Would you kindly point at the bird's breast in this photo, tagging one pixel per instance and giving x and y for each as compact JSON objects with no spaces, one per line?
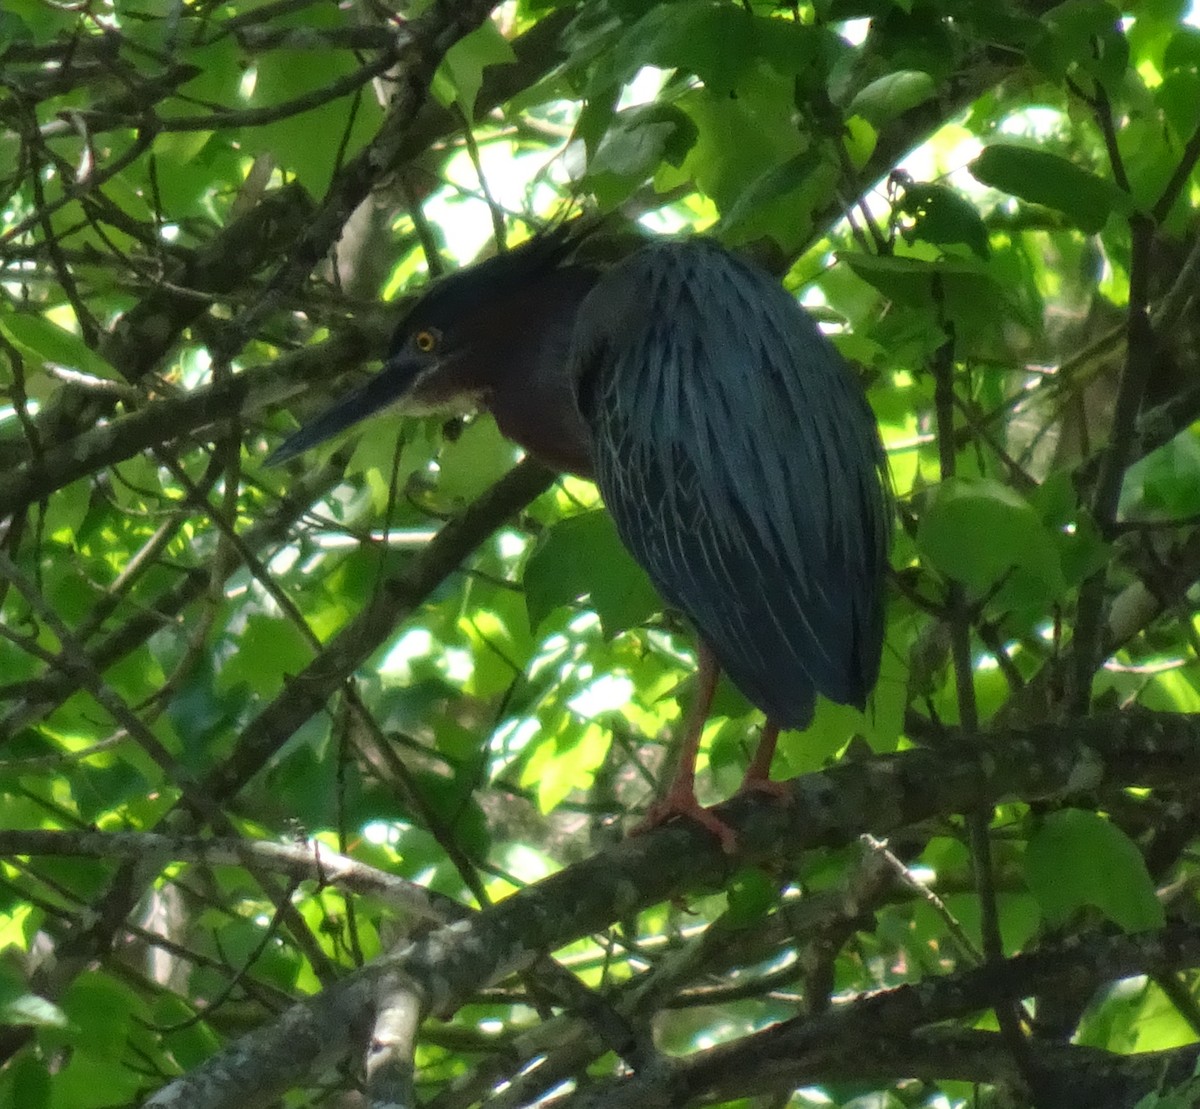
{"x":549,"y":427}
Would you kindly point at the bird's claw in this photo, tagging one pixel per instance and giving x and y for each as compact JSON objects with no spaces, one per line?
{"x":686,"y":806}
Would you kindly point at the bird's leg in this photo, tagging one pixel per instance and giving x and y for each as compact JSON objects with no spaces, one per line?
{"x":680,"y":798}
{"x":759,"y":770}
{"x":683,"y":785}
{"x":758,"y":773}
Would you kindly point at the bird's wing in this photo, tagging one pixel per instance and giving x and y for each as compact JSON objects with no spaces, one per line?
{"x":743,"y":469}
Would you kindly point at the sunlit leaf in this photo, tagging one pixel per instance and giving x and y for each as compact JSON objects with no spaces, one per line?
{"x":296,"y":75}
{"x":45,"y":343}
{"x":565,"y":762}
{"x":464,"y":64}
{"x":475,"y":459}
{"x":268,"y":650}
{"x":887,"y":97}
{"x":19,"y":1006}
{"x":1077,"y":860}
{"x":917,"y":281}
{"x":977,"y":532}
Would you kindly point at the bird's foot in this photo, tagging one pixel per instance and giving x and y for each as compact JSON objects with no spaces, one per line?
{"x":764,"y":787}
{"x":684,"y":804}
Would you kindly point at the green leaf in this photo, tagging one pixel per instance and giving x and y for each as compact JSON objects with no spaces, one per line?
{"x":595,"y":118}
{"x":1050,"y":180}
{"x":452,"y":801}
{"x":1166,"y":483}
{"x":583,"y":556}
{"x":1182,"y":51}
{"x":943,"y":216}
{"x":638,"y":142}
{"x":464,"y":63}
{"x":30,"y":1009}
{"x":780,"y":198}
{"x":30,"y":21}
{"x":187,"y":163}
{"x":750,"y":897}
{"x":913,"y":280}
{"x":305,"y":142}
{"x":1077,"y":860}
{"x":639,"y":138}
{"x":30,"y":1082}
{"x":20,"y":1007}
{"x":740,"y":138}
{"x":719,"y":43}
{"x":309,"y":780}
{"x":66,"y":513}
{"x":189,"y":1041}
{"x":98,"y":787}
{"x":470,"y":463}
{"x":566,"y":761}
{"x":1179,"y":97}
{"x":1081,"y":548}
{"x":893,"y":94}
{"x":269,"y":649}
{"x":1185,"y":1096}
{"x":860,"y":140}
{"x":45,"y":343}
{"x":1081,"y":36}
{"x":95,"y":1082}
{"x":99,"y":1009}
{"x":977,"y":532}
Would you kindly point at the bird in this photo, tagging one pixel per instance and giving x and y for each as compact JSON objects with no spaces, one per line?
{"x":731,"y":442}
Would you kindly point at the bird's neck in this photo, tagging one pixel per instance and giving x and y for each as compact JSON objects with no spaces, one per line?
{"x":529,"y":391}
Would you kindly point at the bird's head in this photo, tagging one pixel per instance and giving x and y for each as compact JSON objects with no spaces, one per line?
{"x":446,"y":349}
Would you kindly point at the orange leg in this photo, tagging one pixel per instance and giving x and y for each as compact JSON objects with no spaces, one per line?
{"x":759,"y":769}
{"x":680,"y":798}
{"x":758,"y":773}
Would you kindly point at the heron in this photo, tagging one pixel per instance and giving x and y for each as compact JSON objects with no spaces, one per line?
{"x":732,"y":444}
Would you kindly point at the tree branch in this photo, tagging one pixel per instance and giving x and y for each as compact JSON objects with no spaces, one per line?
{"x":826,"y":809}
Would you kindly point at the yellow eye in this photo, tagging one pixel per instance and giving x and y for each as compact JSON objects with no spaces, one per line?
{"x":425,"y":341}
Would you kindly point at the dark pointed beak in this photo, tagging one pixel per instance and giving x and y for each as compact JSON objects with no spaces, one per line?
{"x":386,"y":387}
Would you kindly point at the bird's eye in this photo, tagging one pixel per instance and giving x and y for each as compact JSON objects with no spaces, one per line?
{"x":425,"y":341}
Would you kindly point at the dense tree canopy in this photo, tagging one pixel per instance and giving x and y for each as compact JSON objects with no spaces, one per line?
{"x":315,"y":778}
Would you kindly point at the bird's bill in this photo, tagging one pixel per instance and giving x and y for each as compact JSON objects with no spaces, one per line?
{"x":385,"y":388}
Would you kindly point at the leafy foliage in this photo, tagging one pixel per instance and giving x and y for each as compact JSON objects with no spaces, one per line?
{"x":350,"y":745}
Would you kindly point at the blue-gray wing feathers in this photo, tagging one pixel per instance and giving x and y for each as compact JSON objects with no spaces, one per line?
{"x":743,"y":468}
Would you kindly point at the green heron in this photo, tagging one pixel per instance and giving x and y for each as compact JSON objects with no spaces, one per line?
{"x":729,"y":439}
